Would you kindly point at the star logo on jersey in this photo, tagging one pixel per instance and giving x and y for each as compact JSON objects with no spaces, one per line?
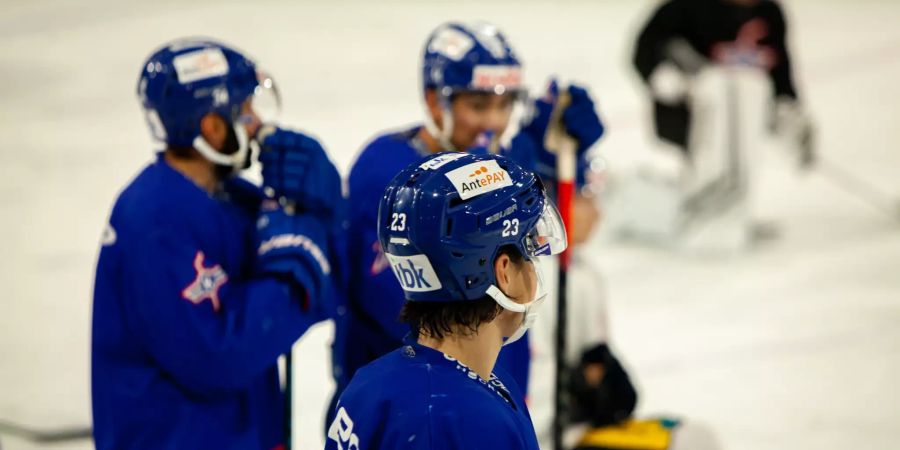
{"x":207,"y":283}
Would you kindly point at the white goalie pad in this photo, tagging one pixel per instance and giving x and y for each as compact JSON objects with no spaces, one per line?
{"x":705,"y":204}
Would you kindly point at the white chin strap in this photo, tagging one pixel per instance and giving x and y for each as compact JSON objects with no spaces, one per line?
{"x":442,"y":135}
{"x":530,"y":310}
{"x":235,"y":160}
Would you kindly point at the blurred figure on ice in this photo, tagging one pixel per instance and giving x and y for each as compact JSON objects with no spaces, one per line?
{"x":719,"y":74}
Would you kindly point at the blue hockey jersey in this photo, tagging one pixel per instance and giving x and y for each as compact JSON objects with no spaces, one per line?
{"x":185,"y":342}
{"x":368,"y":326}
{"x":419,"y":398}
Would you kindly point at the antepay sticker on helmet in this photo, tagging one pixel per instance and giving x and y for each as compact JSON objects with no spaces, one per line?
{"x":414,"y":273}
{"x":205,"y":63}
{"x":451,"y":43}
{"x":478,"y":178}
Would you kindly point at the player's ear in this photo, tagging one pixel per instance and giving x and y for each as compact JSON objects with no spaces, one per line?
{"x":434,"y":107}
{"x":503,"y":267}
{"x":214,"y":129}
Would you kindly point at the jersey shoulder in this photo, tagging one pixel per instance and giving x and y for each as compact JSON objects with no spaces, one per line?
{"x":383,"y":157}
{"x":143,"y":199}
{"x":156,"y":196}
{"x":436,"y":401}
{"x":385,"y":376}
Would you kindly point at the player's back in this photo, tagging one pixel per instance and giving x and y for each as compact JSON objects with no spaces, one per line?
{"x":419,"y":398}
{"x":162,"y":213}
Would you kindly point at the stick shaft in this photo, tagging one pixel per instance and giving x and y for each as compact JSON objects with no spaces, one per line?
{"x":859,"y":188}
{"x":288,"y":400}
{"x":565,"y":191}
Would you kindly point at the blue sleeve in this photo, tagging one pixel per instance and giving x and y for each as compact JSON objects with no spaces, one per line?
{"x":523,"y":151}
{"x":209,"y":330}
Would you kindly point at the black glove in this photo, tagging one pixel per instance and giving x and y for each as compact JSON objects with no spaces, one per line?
{"x":609,"y":402}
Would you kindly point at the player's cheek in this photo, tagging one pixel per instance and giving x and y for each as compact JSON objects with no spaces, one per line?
{"x":501,"y":119}
{"x":497,"y":116}
{"x":467,"y":126}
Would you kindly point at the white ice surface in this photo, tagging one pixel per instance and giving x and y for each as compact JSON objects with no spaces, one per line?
{"x":793,"y":346}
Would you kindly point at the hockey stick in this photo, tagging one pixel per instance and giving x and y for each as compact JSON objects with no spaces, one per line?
{"x":558,"y":141}
{"x":290,"y":207}
{"x":288,"y":399}
{"x":859,"y":188}
{"x":46,"y":436}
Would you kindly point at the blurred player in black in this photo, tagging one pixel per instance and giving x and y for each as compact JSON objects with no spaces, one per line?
{"x":720,"y":77}
{"x":684,"y":36}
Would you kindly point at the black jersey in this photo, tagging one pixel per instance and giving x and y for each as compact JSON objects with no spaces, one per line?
{"x":721,"y":31}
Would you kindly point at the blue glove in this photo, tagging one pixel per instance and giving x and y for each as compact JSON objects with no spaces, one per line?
{"x":292,"y":247}
{"x":580,"y":119}
{"x":295,"y":166}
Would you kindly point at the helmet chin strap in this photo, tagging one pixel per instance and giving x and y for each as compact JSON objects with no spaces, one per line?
{"x":530,"y":310}
{"x":235,"y":160}
{"x":442,"y":135}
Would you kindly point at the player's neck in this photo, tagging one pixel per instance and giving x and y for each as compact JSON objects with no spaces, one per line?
{"x":477,"y":351}
{"x":198,"y":170}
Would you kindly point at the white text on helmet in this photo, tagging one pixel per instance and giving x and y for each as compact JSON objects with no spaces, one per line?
{"x":488,"y":77}
{"x":414,"y":273}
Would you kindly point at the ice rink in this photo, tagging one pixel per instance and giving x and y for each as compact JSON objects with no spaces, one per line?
{"x":795,"y":345}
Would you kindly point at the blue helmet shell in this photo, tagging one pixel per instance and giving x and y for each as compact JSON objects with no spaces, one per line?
{"x":188,"y":78}
{"x":441,"y":222}
{"x":454,"y":53}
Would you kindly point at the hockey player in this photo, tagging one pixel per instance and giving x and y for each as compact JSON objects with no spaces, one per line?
{"x":471,"y":82}
{"x":684,"y":36}
{"x":202,"y":280}
{"x":712,"y":67}
{"x":462,"y":234}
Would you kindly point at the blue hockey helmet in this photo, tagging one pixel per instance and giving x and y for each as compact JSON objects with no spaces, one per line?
{"x":188,"y":78}
{"x":467,"y":58}
{"x":442,"y":222}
